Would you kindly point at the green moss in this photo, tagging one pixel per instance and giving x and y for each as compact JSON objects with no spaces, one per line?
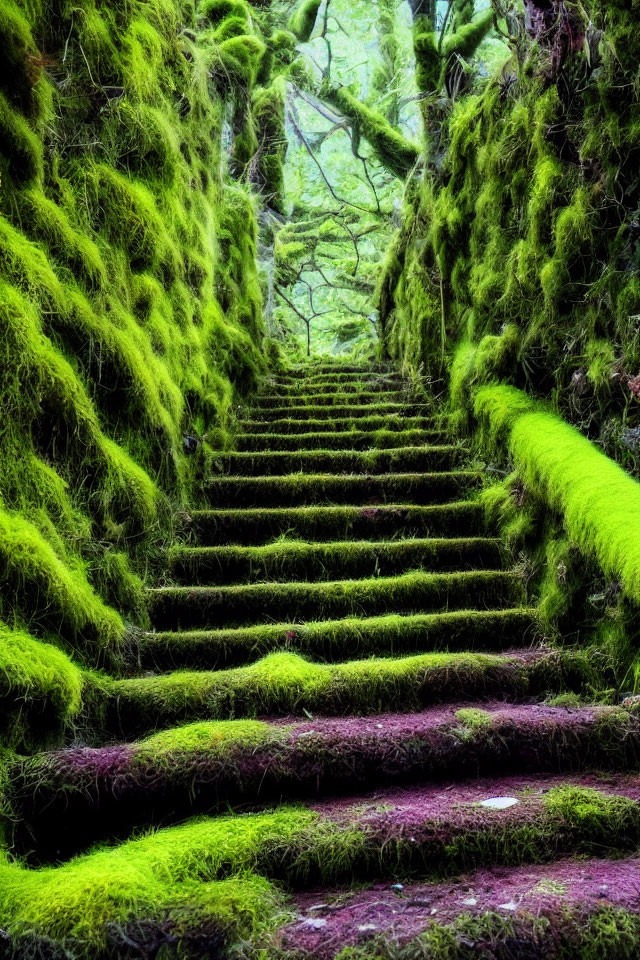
{"x":565,"y":700}
{"x":335,"y":640}
{"x":304,"y":19}
{"x":598,"y":501}
{"x":319,"y":523}
{"x":600,"y":360}
{"x":474,"y":718}
{"x":353,"y":439}
{"x":209,"y":737}
{"x":40,"y":688}
{"x":130,"y":300}
{"x":464,"y":41}
{"x":507,"y":510}
{"x":473,"y":364}
{"x":268,"y":110}
{"x":236,"y":62}
{"x":58,"y":594}
{"x":20,"y":145}
{"x":428,"y":65}
{"x":398,"y":459}
{"x":413,"y":592}
{"x":217,"y":11}
{"x":284,"y":683}
{"x":604,"y":932}
{"x":394,"y":151}
{"x":289,"y":559}
{"x":555,"y":591}
{"x":217,"y":865}
{"x":18,"y":74}
{"x":592,"y":813}
{"x":90,"y":904}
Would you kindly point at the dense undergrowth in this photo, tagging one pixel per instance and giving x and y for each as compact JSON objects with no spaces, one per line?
{"x":130,"y":301}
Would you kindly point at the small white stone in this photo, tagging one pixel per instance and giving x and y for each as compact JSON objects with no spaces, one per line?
{"x":499,"y":803}
{"x":509,"y":906}
{"x":469,"y":902}
{"x":314,"y":924}
{"x":434,"y":910}
{"x":365,"y":927}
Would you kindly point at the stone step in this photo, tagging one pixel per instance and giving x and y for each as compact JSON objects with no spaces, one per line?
{"x":191,"y":884}
{"x":67,"y":799}
{"x":372,"y":383}
{"x":296,"y":490}
{"x":343,"y":440}
{"x":365,"y":398}
{"x":297,"y":560}
{"x":397,"y":460}
{"x":312,"y":370}
{"x":392,"y":521}
{"x":354,"y":375}
{"x":391,"y":423}
{"x":338,"y":640}
{"x":182,"y":608}
{"x":571,"y":909}
{"x":339,"y":411}
{"x":283,"y":684}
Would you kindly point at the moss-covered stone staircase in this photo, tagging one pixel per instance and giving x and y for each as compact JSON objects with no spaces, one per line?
{"x":346,"y":678}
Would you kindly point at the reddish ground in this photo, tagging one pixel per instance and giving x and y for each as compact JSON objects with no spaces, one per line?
{"x":328,"y":922}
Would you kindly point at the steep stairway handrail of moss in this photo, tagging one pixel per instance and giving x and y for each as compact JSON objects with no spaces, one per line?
{"x":599,"y":501}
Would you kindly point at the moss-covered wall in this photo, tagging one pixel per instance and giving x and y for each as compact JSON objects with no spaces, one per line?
{"x":525,"y":223}
{"x":130,"y":306}
{"x":517,"y":264}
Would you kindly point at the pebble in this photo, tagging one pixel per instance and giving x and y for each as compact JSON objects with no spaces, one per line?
{"x":499,"y":803}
